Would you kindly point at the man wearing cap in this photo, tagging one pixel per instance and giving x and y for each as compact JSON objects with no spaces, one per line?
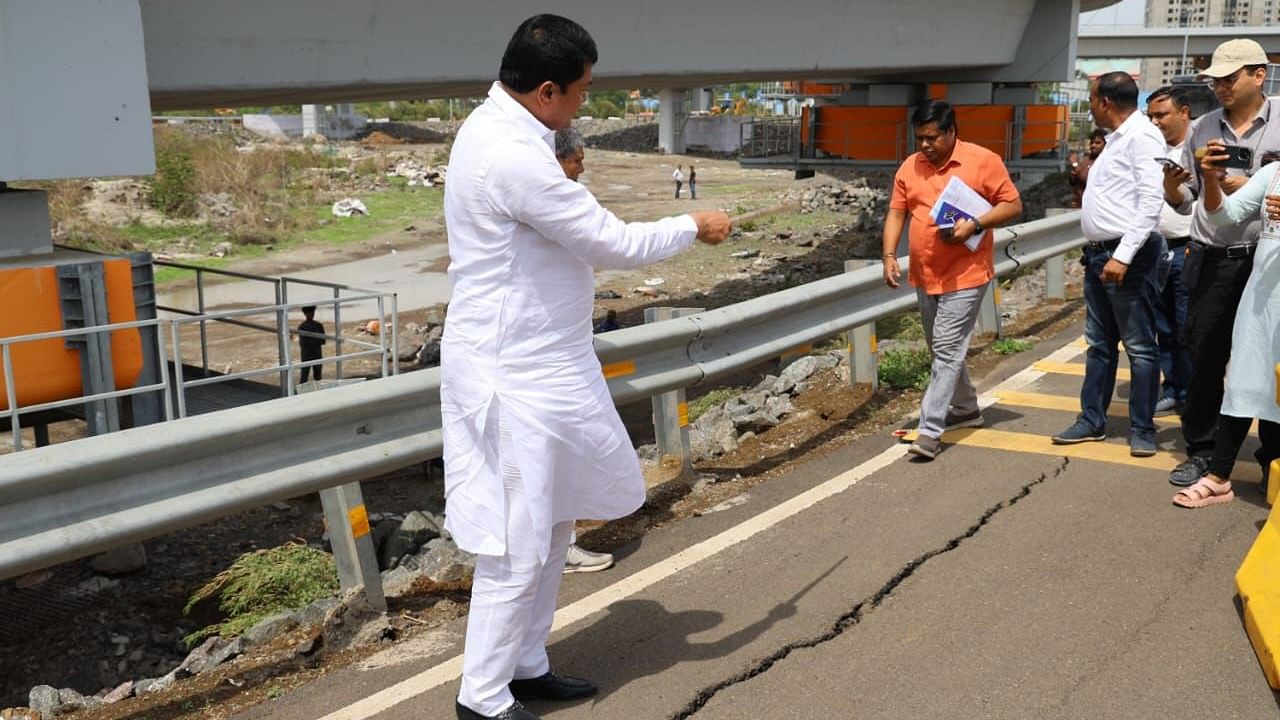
{"x":1219,"y":258}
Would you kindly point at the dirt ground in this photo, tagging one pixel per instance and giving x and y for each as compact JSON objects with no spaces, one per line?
{"x":58,"y":634}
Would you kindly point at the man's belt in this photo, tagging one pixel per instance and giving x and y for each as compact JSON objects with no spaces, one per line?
{"x":1175,"y":243}
{"x":1230,"y":251}
{"x":1107,"y":245}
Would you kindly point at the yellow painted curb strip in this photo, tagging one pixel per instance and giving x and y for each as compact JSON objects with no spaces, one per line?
{"x":1258,"y":582}
{"x":1066,"y":368}
{"x":1114,"y":453}
{"x":1273,"y":486}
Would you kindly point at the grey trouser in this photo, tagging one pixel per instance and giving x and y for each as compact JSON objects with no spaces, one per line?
{"x":948,"y":327}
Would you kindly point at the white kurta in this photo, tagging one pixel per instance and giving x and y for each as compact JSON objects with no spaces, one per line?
{"x":1255,"y":337}
{"x":523,"y":243}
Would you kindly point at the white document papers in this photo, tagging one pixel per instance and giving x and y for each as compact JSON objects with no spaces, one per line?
{"x":959,"y":202}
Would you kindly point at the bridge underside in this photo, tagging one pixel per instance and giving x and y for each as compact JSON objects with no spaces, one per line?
{"x":200,"y":54}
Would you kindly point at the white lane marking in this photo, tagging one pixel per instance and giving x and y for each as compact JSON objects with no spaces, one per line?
{"x":451,"y":669}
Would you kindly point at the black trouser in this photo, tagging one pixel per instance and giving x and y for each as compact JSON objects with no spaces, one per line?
{"x":1215,"y":292}
{"x":310,"y":368}
{"x":1230,"y":436}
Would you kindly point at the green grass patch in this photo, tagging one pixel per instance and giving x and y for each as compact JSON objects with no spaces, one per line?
{"x":165,"y":274}
{"x":1011,"y":346}
{"x":905,"y":368}
{"x":389,"y":210}
{"x":710,"y":400}
{"x":906,"y":326}
{"x":264,"y":583}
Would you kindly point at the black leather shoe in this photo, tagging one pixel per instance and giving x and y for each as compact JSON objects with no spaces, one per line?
{"x":515,"y":712}
{"x":552,"y":687}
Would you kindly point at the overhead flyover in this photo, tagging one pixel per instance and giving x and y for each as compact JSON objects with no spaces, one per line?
{"x":244,"y":52}
{"x":1111,"y":42}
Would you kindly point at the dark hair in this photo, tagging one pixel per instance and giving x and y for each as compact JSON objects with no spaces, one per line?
{"x":309,"y":310}
{"x":546,"y":47}
{"x":1119,"y":88}
{"x":1098,"y":134}
{"x":1177,"y":96}
{"x":935,"y":111}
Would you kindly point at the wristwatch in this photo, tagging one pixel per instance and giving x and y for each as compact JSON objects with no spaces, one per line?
{"x":977,"y":226}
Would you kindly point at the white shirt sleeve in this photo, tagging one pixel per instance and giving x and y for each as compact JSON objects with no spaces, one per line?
{"x":1148,"y":180}
{"x":1244,"y":203}
{"x":532,"y":189}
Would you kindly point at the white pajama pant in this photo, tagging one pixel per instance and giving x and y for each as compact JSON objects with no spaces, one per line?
{"x":513,"y":601}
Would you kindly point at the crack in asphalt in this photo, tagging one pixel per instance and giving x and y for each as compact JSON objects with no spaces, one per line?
{"x":859,"y":611}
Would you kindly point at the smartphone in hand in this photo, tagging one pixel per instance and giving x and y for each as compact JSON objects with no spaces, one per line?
{"x":1169,"y":164}
{"x":1238,"y":157}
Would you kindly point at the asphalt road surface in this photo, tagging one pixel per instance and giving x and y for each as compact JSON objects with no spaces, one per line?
{"x":1009,"y":578}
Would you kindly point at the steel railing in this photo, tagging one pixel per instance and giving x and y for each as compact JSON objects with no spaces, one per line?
{"x":280,"y":287}
{"x":63,"y":502}
{"x":174,"y":387}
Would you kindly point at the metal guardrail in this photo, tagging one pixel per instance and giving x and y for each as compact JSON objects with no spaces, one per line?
{"x":63,"y":502}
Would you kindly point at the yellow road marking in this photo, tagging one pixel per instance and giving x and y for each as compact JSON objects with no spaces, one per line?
{"x":1041,"y":401}
{"x":1066,"y":368}
{"x":1115,"y":453}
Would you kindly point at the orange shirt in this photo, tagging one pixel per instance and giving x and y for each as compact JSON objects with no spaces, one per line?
{"x":935,"y":266}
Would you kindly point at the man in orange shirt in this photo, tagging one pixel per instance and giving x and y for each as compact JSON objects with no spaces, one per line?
{"x":949,"y":278}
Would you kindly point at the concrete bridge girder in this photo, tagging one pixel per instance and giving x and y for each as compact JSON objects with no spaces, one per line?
{"x":1168,"y":42}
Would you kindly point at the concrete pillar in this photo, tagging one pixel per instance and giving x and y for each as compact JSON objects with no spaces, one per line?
{"x":673,"y":113}
{"x":24,"y":223}
{"x":312,"y":120}
{"x":703,"y":98}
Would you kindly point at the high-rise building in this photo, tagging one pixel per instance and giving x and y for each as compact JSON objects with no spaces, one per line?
{"x":1200,"y":13}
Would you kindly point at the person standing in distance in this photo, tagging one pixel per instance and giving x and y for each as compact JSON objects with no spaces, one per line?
{"x":532,"y":441}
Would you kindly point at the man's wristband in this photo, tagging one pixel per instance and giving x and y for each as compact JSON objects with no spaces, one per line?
{"x":889,"y":255}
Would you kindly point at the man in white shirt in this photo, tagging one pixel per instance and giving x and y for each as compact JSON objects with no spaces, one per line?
{"x":1170,"y":111}
{"x":532,"y":441}
{"x":678,"y":176}
{"x":1123,"y":262}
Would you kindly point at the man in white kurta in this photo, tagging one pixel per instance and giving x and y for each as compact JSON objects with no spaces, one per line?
{"x":532,"y":441}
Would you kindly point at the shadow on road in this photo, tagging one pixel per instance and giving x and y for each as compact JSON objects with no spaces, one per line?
{"x":638,"y":638}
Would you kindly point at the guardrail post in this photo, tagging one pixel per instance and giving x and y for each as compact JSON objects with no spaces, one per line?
{"x":352,"y":543}
{"x":1055,"y":268}
{"x":337,"y":329}
{"x":282,"y":337}
{"x":989,"y":316}
{"x":670,"y":411}
{"x":861,"y":343}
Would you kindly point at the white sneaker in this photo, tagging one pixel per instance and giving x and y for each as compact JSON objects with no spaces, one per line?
{"x":583,"y":561}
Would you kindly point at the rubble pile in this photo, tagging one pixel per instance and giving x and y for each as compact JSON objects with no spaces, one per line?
{"x":418,"y":173}
{"x":634,"y":138}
